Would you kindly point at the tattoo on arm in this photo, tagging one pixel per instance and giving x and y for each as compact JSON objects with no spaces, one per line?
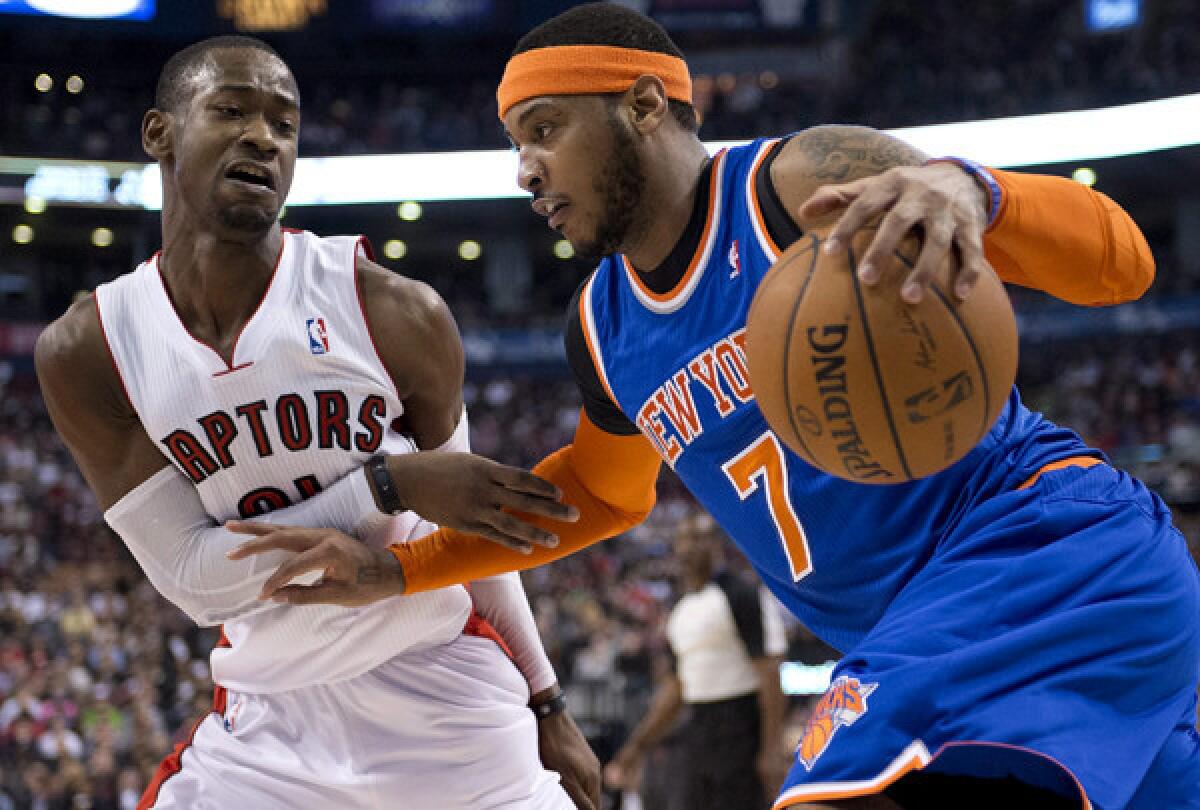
{"x":840,"y":154}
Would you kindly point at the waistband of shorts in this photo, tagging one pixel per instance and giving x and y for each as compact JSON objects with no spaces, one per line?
{"x":1061,"y":464}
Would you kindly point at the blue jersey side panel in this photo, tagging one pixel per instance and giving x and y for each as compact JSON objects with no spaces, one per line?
{"x":676,"y":366}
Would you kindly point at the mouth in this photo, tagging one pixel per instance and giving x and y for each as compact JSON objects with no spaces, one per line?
{"x":251,"y":176}
{"x":552,"y":209}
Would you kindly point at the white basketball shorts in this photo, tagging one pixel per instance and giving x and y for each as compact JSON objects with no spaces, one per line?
{"x":445,"y":728}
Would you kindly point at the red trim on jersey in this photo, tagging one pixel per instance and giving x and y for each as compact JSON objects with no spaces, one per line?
{"x":230,"y":364}
{"x":108,"y":348}
{"x":232,"y":369}
{"x":173,"y":762}
{"x":481,"y":628}
{"x":362,"y":305}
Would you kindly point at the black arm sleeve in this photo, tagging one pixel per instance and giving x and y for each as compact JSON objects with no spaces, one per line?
{"x":747,"y":611}
{"x":604,"y":413}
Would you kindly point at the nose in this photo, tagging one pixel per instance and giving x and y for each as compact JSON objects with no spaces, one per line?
{"x":529,"y":170}
{"x":258,"y":134}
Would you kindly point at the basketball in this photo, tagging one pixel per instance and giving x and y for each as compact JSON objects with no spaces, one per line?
{"x":865,"y":386}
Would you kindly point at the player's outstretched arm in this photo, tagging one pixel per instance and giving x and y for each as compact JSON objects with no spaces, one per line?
{"x":1048,"y":233}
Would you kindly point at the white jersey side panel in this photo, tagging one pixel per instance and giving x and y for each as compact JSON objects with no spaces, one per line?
{"x":304,"y":401}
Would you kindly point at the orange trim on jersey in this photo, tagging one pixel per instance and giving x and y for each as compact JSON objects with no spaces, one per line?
{"x":586,"y":323}
{"x":1062,"y":463}
{"x":701,"y":247}
{"x":173,"y":762}
{"x":230,"y":364}
{"x":481,"y":628}
{"x":755,"y":207}
{"x":572,"y":70}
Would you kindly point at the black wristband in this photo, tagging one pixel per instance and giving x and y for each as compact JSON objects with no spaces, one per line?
{"x":385,"y":487}
{"x":553,"y":706}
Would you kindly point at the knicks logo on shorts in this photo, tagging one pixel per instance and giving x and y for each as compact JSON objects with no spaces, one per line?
{"x":842,"y":704}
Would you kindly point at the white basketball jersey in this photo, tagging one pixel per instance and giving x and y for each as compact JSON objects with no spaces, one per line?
{"x":305,"y":400}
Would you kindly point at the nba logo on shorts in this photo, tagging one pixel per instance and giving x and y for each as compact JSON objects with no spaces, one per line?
{"x":318,"y":339}
{"x":842,"y":704}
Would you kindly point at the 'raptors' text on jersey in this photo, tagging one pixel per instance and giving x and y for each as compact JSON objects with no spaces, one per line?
{"x":304,"y":400}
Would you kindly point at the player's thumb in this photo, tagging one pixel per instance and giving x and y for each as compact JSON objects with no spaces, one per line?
{"x":825,"y":201}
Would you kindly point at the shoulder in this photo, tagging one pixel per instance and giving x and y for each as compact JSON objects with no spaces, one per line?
{"x":835,"y":153}
{"x":72,"y":357}
{"x":403,"y":313}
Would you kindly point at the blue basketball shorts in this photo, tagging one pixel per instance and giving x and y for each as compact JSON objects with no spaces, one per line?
{"x":1054,"y":636}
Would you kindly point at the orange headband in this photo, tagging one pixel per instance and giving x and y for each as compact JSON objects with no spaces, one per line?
{"x":567,"y":70}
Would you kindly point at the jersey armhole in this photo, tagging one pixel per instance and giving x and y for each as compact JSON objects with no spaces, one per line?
{"x":587,"y":368}
{"x":779,"y":227}
{"x":362,"y":247}
{"x":111,"y":356}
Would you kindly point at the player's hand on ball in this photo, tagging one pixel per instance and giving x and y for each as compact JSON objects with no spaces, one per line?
{"x":474,"y":494}
{"x":945,"y":203}
{"x":352,"y":573}
{"x":565,"y":750}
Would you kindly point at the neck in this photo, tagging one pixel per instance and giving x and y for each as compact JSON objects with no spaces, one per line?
{"x":216,"y":283}
{"x":672,"y":176}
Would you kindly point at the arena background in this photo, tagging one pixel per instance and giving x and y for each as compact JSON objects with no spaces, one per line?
{"x":99,"y":675}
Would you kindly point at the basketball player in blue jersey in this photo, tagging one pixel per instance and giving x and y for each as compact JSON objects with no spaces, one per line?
{"x":1020,"y":629}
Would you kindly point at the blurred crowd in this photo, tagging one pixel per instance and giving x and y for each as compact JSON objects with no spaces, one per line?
{"x":991,"y":59}
{"x":98,"y":675}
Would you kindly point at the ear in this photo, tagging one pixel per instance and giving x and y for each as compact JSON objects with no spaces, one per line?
{"x":647,"y":100}
{"x":158,"y":134}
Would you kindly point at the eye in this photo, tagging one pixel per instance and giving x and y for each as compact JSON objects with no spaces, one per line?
{"x":543,"y":130}
{"x":286,"y":127}
{"x":229,"y":110}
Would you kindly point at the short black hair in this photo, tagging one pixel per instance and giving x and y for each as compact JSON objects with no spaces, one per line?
{"x":171,"y":88}
{"x":609,"y":24}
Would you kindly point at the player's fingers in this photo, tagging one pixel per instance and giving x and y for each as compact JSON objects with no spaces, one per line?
{"x":312,"y":560}
{"x":577,"y":793}
{"x":869,"y":204}
{"x":535,"y":505}
{"x":519,"y":480}
{"x":282,"y":539}
{"x":489,"y":532}
{"x":973,"y":263}
{"x":935,"y":248}
{"x":892,"y":229}
{"x":828,"y":199}
{"x":516,"y":529}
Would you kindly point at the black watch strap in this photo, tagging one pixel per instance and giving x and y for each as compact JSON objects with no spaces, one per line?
{"x":553,"y":706}
{"x":385,"y":487}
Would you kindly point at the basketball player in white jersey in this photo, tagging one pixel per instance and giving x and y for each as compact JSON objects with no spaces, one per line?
{"x":246,"y":369}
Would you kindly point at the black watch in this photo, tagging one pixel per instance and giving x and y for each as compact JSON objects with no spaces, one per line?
{"x":385,"y":487}
{"x":553,"y":706}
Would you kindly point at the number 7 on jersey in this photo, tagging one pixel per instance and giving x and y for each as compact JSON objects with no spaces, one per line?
{"x":763,"y":463}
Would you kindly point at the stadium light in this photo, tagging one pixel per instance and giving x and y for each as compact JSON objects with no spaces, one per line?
{"x":1029,"y":140}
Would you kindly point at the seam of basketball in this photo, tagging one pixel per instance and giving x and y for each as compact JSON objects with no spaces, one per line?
{"x":883,"y":396}
{"x":787,"y":351}
{"x":983,"y":375}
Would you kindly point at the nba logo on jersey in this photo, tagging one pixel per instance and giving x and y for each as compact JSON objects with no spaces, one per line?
{"x":318,"y":339}
{"x":843,"y":703}
{"x":735,"y":260}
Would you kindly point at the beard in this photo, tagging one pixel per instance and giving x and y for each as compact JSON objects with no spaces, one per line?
{"x":246,"y":218}
{"x":620,"y":183}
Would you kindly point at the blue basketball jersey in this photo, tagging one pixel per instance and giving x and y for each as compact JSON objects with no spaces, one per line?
{"x":835,"y":552}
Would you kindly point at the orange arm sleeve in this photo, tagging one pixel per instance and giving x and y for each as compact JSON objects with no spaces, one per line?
{"x":1063,"y":238}
{"x":609,"y":478}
